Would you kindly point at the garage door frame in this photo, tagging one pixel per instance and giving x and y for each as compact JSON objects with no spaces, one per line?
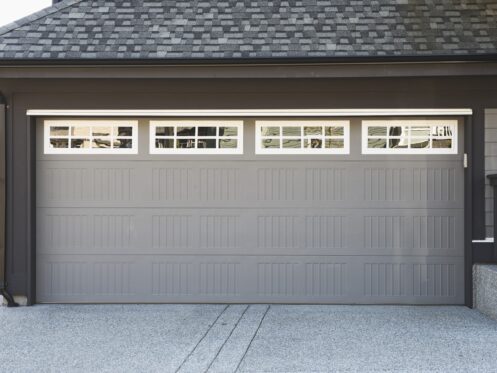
{"x":31,"y":213}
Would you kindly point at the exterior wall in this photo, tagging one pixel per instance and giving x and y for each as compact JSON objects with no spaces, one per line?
{"x":490,"y":167}
{"x":23,"y":94}
{"x":485,"y":289}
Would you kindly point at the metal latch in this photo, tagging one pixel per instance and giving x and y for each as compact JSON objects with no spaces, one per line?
{"x":465,"y":160}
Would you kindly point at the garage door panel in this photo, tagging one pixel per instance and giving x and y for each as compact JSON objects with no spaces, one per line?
{"x":410,"y":185}
{"x":256,"y":231}
{"x":257,"y":279}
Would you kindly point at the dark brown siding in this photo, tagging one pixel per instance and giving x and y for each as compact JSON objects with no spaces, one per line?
{"x":24,"y":94}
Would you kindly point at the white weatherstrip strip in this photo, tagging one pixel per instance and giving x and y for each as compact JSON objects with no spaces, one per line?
{"x":486,"y":240}
{"x":251,"y":113}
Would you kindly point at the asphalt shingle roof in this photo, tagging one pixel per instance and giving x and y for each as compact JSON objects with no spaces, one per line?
{"x":232,"y":29}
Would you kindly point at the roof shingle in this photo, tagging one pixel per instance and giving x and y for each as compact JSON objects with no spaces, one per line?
{"x":249,"y":29}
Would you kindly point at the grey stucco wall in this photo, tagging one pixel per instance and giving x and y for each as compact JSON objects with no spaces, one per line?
{"x":490,"y":166}
{"x":485,"y":289}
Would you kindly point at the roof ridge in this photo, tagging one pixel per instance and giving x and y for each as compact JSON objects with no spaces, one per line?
{"x":37,"y":15}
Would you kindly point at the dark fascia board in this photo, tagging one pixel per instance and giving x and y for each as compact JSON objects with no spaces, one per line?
{"x":251,"y":61}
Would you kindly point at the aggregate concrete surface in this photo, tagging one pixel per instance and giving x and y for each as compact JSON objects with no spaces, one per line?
{"x":246,"y":338}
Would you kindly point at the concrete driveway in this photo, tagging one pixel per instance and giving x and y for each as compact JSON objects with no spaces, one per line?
{"x":255,"y":338}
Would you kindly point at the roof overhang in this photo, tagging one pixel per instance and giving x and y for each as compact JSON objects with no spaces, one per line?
{"x":251,"y":113}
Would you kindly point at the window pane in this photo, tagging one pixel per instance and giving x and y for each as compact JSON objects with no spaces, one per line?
{"x":164,"y":143}
{"x":228,"y":131}
{"x":313,"y":143}
{"x":398,"y":143}
{"x":59,"y":143}
{"x":80,"y":143}
{"x":123,"y":143}
{"x":80,"y":131}
{"x":270,"y":131}
{"x":164,"y":131}
{"x":59,"y":131}
{"x":313,"y":130}
{"x":377,"y":143}
{"x":421,"y":131}
{"x":334,"y":144}
{"x":206,"y":144}
{"x":442,"y":143}
{"x":186,"y":131}
{"x":333,"y":131}
{"x":101,"y":131}
{"x":207,"y":131}
{"x":292,"y":131}
{"x":445,"y":131}
{"x":377,"y":131}
{"x":270,"y":143}
{"x":292,"y":143}
{"x":228,"y":143}
{"x":185,"y":143}
{"x":123,"y":131}
{"x":100,"y":144}
{"x":420,"y":142}
{"x":398,"y":131}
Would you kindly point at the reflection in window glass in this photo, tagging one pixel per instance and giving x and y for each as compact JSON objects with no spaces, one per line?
{"x":59,"y":143}
{"x":228,"y":144}
{"x":292,"y":131}
{"x":164,"y":143}
{"x":270,"y":131}
{"x":377,"y":131}
{"x":185,"y":131}
{"x":377,"y":143}
{"x":123,"y":131}
{"x":302,"y":137}
{"x":164,"y":131}
{"x":271,"y":143}
{"x":80,"y":143}
{"x":420,"y":142}
{"x":197,"y":138}
{"x":185,"y":143}
{"x":123,"y":143}
{"x":59,"y":131}
{"x":89,"y":136}
{"x":207,"y":131}
{"x":313,"y":130}
{"x":334,"y":144}
{"x":292,"y":143}
{"x":80,"y":131}
{"x":442,"y":143}
{"x":206,"y":144}
{"x":333,"y":131}
{"x":313,"y":143}
{"x":228,"y":131}
{"x":101,"y":131}
{"x":410,"y":135}
{"x":100,"y":144}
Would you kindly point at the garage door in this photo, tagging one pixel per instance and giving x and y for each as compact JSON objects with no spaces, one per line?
{"x":358,"y":210}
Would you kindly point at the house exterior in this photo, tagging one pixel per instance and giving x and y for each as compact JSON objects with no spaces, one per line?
{"x":235,"y":151}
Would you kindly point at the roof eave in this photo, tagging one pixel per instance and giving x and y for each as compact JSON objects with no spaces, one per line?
{"x":250,"y":61}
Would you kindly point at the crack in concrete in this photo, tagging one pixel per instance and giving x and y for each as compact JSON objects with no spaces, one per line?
{"x":201,"y":339}
{"x":253,"y":337}
{"x":227,"y":338}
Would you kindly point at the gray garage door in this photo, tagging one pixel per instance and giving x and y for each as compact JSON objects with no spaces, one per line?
{"x":329,"y":228}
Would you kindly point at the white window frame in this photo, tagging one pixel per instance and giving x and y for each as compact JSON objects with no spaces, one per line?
{"x":90,"y":123}
{"x":196,"y":123}
{"x":303,"y":123}
{"x":409,"y":123}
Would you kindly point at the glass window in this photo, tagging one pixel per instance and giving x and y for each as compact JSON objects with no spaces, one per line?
{"x":410,"y":136}
{"x":196,"y":136}
{"x":91,"y":136}
{"x":302,"y":137}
